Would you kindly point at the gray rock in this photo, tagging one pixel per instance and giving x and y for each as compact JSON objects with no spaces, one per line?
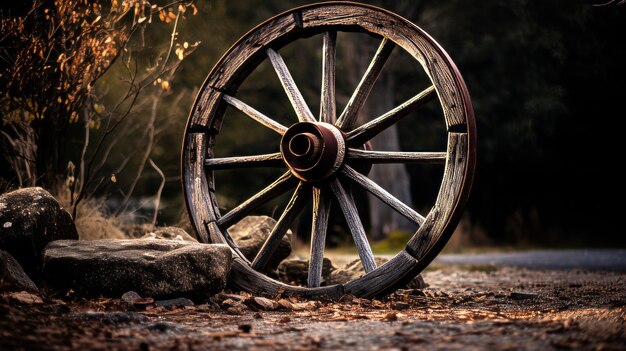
{"x":156,"y":268}
{"x":165,"y":327}
{"x":417,"y":283}
{"x":297,"y":270}
{"x":250,"y":234}
{"x":12,"y":276}
{"x":30,"y":218}
{"x":351,"y":271}
{"x":354,"y":270}
{"x":134,"y":300}
{"x":400,"y":306}
{"x":231,"y":303}
{"x":174,"y":303}
{"x":130,"y":297}
{"x":169,"y":233}
{"x":523,"y":296}
{"x":263,"y":303}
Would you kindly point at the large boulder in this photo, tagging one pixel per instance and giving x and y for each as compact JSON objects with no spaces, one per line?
{"x":250,"y":235}
{"x":153,"y":268}
{"x":12,"y":276}
{"x":30,"y":218}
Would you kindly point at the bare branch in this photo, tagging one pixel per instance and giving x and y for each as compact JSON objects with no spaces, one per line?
{"x":158,"y":194}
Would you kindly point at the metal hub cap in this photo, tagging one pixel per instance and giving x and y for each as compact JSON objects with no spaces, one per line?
{"x":313,"y":151}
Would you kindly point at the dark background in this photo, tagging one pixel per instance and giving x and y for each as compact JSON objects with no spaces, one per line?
{"x":547,"y":81}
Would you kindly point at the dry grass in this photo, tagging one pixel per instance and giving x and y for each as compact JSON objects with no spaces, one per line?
{"x":92,"y":220}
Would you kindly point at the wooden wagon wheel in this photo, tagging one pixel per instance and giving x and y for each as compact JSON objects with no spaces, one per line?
{"x":320,"y":154}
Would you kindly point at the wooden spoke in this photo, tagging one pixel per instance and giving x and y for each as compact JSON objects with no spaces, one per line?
{"x":267,"y":160}
{"x":321,"y":209}
{"x":282,"y":225}
{"x":383,"y":195}
{"x":346,"y":202}
{"x":297,"y":100}
{"x":367,"y":156}
{"x":255,"y":115}
{"x":372,"y":128}
{"x":277,"y":188}
{"x":328,"y":106}
{"x":348,"y":116}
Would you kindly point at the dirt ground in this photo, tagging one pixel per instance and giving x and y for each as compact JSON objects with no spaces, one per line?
{"x":464,"y":308}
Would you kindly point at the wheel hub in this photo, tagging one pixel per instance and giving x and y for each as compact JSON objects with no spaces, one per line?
{"x":313,"y":151}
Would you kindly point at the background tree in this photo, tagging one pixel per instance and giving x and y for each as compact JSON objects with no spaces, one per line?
{"x":53,"y":54}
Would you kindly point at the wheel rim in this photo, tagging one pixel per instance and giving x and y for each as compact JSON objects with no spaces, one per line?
{"x":320,"y":152}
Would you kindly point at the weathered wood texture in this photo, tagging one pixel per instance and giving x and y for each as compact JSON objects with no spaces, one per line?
{"x":277,"y":188}
{"x":383,"y":195}
{"x":248,"y":52}
{"x":267,"y":160}
{"x":243,"y":277}
{"x":346,"y":203}
{"x":384,"y":279}
{"x":216,"y":232}
{"x":440,"y":68}
{"x":293,"y":93}
{"x":280,"y":229}
{"x":255,"y":115}
{"x":440,"y":222}
{"x":218,"y":92}
{"x":207,"y":106}
{"x":356,"y":156}
{"x":328,"y":104}
{"x":367,"y":131}
{"x":195,"y":184}
{"x":348,"y":116}
{"x":319,"y":226}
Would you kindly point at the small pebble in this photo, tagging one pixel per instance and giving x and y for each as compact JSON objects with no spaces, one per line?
{"x":246,"y":328}
{"x":172,"y":303}
{"x":523,"y":296}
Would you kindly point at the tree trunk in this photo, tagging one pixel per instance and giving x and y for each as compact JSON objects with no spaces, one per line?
{"x":392,"y":177}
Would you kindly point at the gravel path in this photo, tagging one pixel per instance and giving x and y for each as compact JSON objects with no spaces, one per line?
{"x":595,"y":260}
{"x":465,"y":308}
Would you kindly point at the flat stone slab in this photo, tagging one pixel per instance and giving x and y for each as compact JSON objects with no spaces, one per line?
{"x":152,"y":268}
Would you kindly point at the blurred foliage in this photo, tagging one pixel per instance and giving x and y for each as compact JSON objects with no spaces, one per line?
{"x":52,"y":55}
{"x":395,"y":242}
